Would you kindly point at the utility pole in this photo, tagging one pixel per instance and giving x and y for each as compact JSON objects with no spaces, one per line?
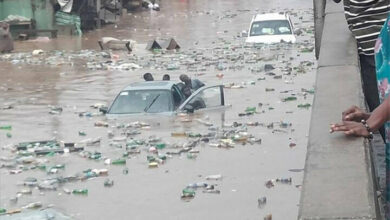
{"x":319,"y":17}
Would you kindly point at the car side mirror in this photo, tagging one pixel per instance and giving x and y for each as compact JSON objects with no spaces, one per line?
{"x":298,"y":31}
{"x":189,"y":108}
{"x":104,"y":109}
{"x":244,"y":33}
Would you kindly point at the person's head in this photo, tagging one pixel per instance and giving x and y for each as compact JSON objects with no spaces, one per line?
{"x":184,"y":78}
{"x":148,"y":77}
{"x":166,"y":77}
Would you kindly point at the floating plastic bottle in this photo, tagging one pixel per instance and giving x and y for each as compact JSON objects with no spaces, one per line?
{"x":262,"y":201}
{"x":101,"y":124}
{"x":3,"y":211}
{"x":212,"y":191}
{"x":14,"y":211}
{"x":192,"y":155}
{"x":67,"y":191}
{"x":153,"y":165}
{"x":25,"y":191}
{"x":30,"y":181}
{"x":162,"y":156}
{"x":59,"y":166}
{"x":269,"y":184}
{"x":108,"y":183}
{"x":197,"y":185}
{"x":284,"y":180}
{"x":33,"y":205}
{"x":214,"y":177}
{"x":178,"y":134}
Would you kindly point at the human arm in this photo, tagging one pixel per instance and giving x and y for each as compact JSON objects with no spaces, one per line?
{"x":354,"y":113}
{"x":378,"y":117}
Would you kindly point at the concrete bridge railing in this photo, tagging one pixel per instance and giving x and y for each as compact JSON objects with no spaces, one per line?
{"x":338,"y":181}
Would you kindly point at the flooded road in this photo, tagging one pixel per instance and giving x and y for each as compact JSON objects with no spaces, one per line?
{"x":207,"y":32}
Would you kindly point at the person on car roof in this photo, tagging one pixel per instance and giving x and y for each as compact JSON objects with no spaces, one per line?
{"x":148,"y":77}
{"x":166,"y":77}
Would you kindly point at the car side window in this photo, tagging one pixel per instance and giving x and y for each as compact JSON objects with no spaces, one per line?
{"x":208,"y":98}
{"x":177,"y":97}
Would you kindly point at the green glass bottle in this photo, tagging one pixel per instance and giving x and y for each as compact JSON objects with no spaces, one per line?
{"x":307,"y":105}
{"x":80,"y":191}
{"x":150,"y":158}
{"x":250,"y":109}
{"x":42,"y":166}
{"x":194,"y":135}
{"x":119,"y":162}
{"x":290,"y":98}
{"x":160,"y":146}
{"x":6,"y":127}
{"x":188,"y":193}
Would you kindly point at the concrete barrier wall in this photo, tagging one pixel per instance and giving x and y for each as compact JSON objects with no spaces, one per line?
{"x":338,"y":181}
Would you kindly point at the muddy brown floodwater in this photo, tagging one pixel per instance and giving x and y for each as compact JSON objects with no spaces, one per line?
{"x":69,"y":74}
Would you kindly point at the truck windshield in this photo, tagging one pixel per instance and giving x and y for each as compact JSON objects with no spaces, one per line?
{"x":139,"y":101}
{"x":275,"y":27}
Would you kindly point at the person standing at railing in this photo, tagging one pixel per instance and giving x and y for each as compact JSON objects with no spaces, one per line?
{"x":356,"y":122}
{"x":365,"y":19}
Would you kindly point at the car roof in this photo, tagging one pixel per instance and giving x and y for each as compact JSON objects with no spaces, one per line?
{"x":270,"y":16}
{"x":151,"y":85}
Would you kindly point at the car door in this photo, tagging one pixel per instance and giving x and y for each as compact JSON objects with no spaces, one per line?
{"x":205,"y":98}
{"x":178,"y":97}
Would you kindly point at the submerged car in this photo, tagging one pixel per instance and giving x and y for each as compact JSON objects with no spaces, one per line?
{"x":164,"y":97}
{"x":271,"y":28}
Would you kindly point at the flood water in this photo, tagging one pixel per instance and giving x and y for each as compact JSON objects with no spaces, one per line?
{"x":208,"y":29}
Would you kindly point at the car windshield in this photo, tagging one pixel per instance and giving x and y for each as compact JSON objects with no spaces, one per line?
{"x":139,"y":101}
{"x":275,"y":27}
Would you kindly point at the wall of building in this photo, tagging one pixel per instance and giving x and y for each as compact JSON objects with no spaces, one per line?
{"x":40,"y":10}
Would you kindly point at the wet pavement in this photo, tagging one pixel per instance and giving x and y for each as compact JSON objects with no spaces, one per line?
{"x":207,"y":32}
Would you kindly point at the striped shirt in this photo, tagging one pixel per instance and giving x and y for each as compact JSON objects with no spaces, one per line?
{"x":365,"y":19}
